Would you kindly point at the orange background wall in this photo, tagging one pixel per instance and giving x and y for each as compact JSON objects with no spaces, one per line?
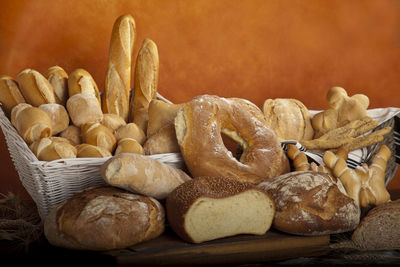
{"x":251,"y":49}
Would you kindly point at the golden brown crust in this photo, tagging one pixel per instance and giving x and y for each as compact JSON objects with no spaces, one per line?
{"x":160,"y":114}
{"x":58,"y":115}
{"x":58,"y":78}
{"x":10,"y":95}
{"x":98,"y":135}
{"x":83,"y":108}
{"x":81,"y":82}
{"x":91,"y":151}
{"x":163,"y":141}
{"x":198,"y":128}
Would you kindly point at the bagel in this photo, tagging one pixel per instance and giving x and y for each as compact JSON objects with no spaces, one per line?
{"x":199,"y":125}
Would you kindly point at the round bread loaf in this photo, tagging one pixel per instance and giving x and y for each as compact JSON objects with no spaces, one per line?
{"x":208,"y":208}
{"x":104,"y":218}
{"x":309,"y":203}
{"x":58,"y":115}
{"x":199,"y":125}
{"x":289,"y":118}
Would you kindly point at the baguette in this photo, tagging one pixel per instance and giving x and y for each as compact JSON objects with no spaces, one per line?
{"x":58,"y":78}
{"x":118,"y":77}
{"x":142,"y":174}
{"x":81,"y":82}
{"x":146,"y":83}
{"x":35,"y":88}
{"x":10,"y":95}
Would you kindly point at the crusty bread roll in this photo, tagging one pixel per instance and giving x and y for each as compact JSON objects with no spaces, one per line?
{"x":163,"y":141}
{"x":118,"y":76}
{"x":142,"y":174}
{"x":208,"y":208}
{"x":91,"y":151}
{"x":83,"y":108}
{"x":58,"y":115}
{"x":309,"y":203}
{"x":289,"y":118}
{"x":58,"y":78}
{"x":104,"y":218}
{"x":130,"y":130}
{"x":10,"y":95}
{"x":112,"y":121}
{"x":146,"y":83}
{"x":128,"y":145}
{"x":73,"y":134}
{"x":31,"y":123}
{"x":379,"y":229}
{"x":81,"y":82}
{"x":48,"y":149}
{"x":35,"y":88}
{"x":98,"y":135}
{"x":160,"y":114}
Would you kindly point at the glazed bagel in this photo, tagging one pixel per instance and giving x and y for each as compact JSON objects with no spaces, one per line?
{"x":199,"y":124}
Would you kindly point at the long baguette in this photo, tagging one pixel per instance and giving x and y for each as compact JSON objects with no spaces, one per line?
{"x":118,"y":77}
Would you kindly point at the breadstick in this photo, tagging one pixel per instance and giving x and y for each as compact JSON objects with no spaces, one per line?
{"x":317,"y":144}
{"x":351,"y":129}
{"x":368,"y":140}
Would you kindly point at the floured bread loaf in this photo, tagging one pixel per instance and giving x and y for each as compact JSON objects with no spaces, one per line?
{"x":379,"y":229}
{"x":208,"y":208}
{"x":104,"y":218}
{"x":309,"y":203}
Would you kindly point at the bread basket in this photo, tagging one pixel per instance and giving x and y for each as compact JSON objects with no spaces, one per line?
{"x":50,"y":183}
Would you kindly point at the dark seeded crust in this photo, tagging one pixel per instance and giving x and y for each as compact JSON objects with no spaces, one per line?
{"x":379,"y":229}
{"x":140,"y":219}
{"x":308,"y":203}
{"x":181,"y":199}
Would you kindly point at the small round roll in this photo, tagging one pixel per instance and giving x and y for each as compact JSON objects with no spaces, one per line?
{"x":130,"y":130}
{"x":83,"y":108}
{"x":128,"y":145}
{"x":73,"y":134}
{"x":10,"y":95}
{"x":58,"y":115}
{"x":81,"y":82}
{"x":58,"y":78}
{"x":48,"y":149}
{"x":98,"y":135}
{"x":91,"y":151}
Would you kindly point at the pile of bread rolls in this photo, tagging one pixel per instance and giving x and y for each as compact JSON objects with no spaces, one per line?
{"x":62,"y":115}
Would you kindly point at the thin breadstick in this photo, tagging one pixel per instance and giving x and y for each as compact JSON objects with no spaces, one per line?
{"x":368,"y":140}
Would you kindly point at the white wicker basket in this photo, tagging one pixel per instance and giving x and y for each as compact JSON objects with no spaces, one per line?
{"x":51,"y":183}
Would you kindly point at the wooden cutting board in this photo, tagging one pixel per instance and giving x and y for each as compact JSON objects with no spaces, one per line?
{"x":169,"y":249}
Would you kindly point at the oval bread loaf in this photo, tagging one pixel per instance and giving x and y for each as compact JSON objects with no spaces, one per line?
{"x":208,"y":208}
{"x":104,"y":218}
{"x":309,"y":203}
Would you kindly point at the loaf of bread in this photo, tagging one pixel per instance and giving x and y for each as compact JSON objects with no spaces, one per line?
{"x":84,"y":108}
{"x":10,"y":95}
{"x":58,"y":115}
{"x":130,"y":130}
{"x":52,"y":148}
{"x":289,"y":118}
{"x":58,"y":78}
{"x":91,"y":151}
{"x":35,"y":88}
{"x":98,"y":135}
{"x":160,"y":114}
{"x":146,"y":83}
{"x":128,"y":145}
{"x":104,"y":218}
{"x":81,"y":82}
{"x":379,"y":229}
{"x":112,"y":121}
{"x":309,"y":203}
{"x":163,"y":141}
{"x":31,"y":123}
{"x":118,"y":76}
{"x":208,"y":208}
{"x":142,"y":174}
{"x":73,"y":134}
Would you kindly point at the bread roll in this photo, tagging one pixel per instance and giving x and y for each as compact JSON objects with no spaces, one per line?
{"x":73,"y":134}
{"x":128,"y":145}
{"x":10,"y":95}
{"x":35,"y":88}
{"x":104,"y":218}
{"x":118,"y":77}
{"x":48,"y":149}
{"x":208,"y":208}
{"x":379,"y":229}
{"x":130,"y":130}
{"x":146,"y":83}
{"x":58,"y":115}
{"x":58,"y":78}
{"x":289,"y":118}
{"x":163,"y":141}
{"x":98,"y":135}
{"x":83,"y":108}
{"x":160,"y":114}
{"x":142,"y":174}
{"x":31,"y":123}
{"x":112,"y":121}
{"x":81,"y":82}
{"x":309,"y":203}
{"x":91,"y":151}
